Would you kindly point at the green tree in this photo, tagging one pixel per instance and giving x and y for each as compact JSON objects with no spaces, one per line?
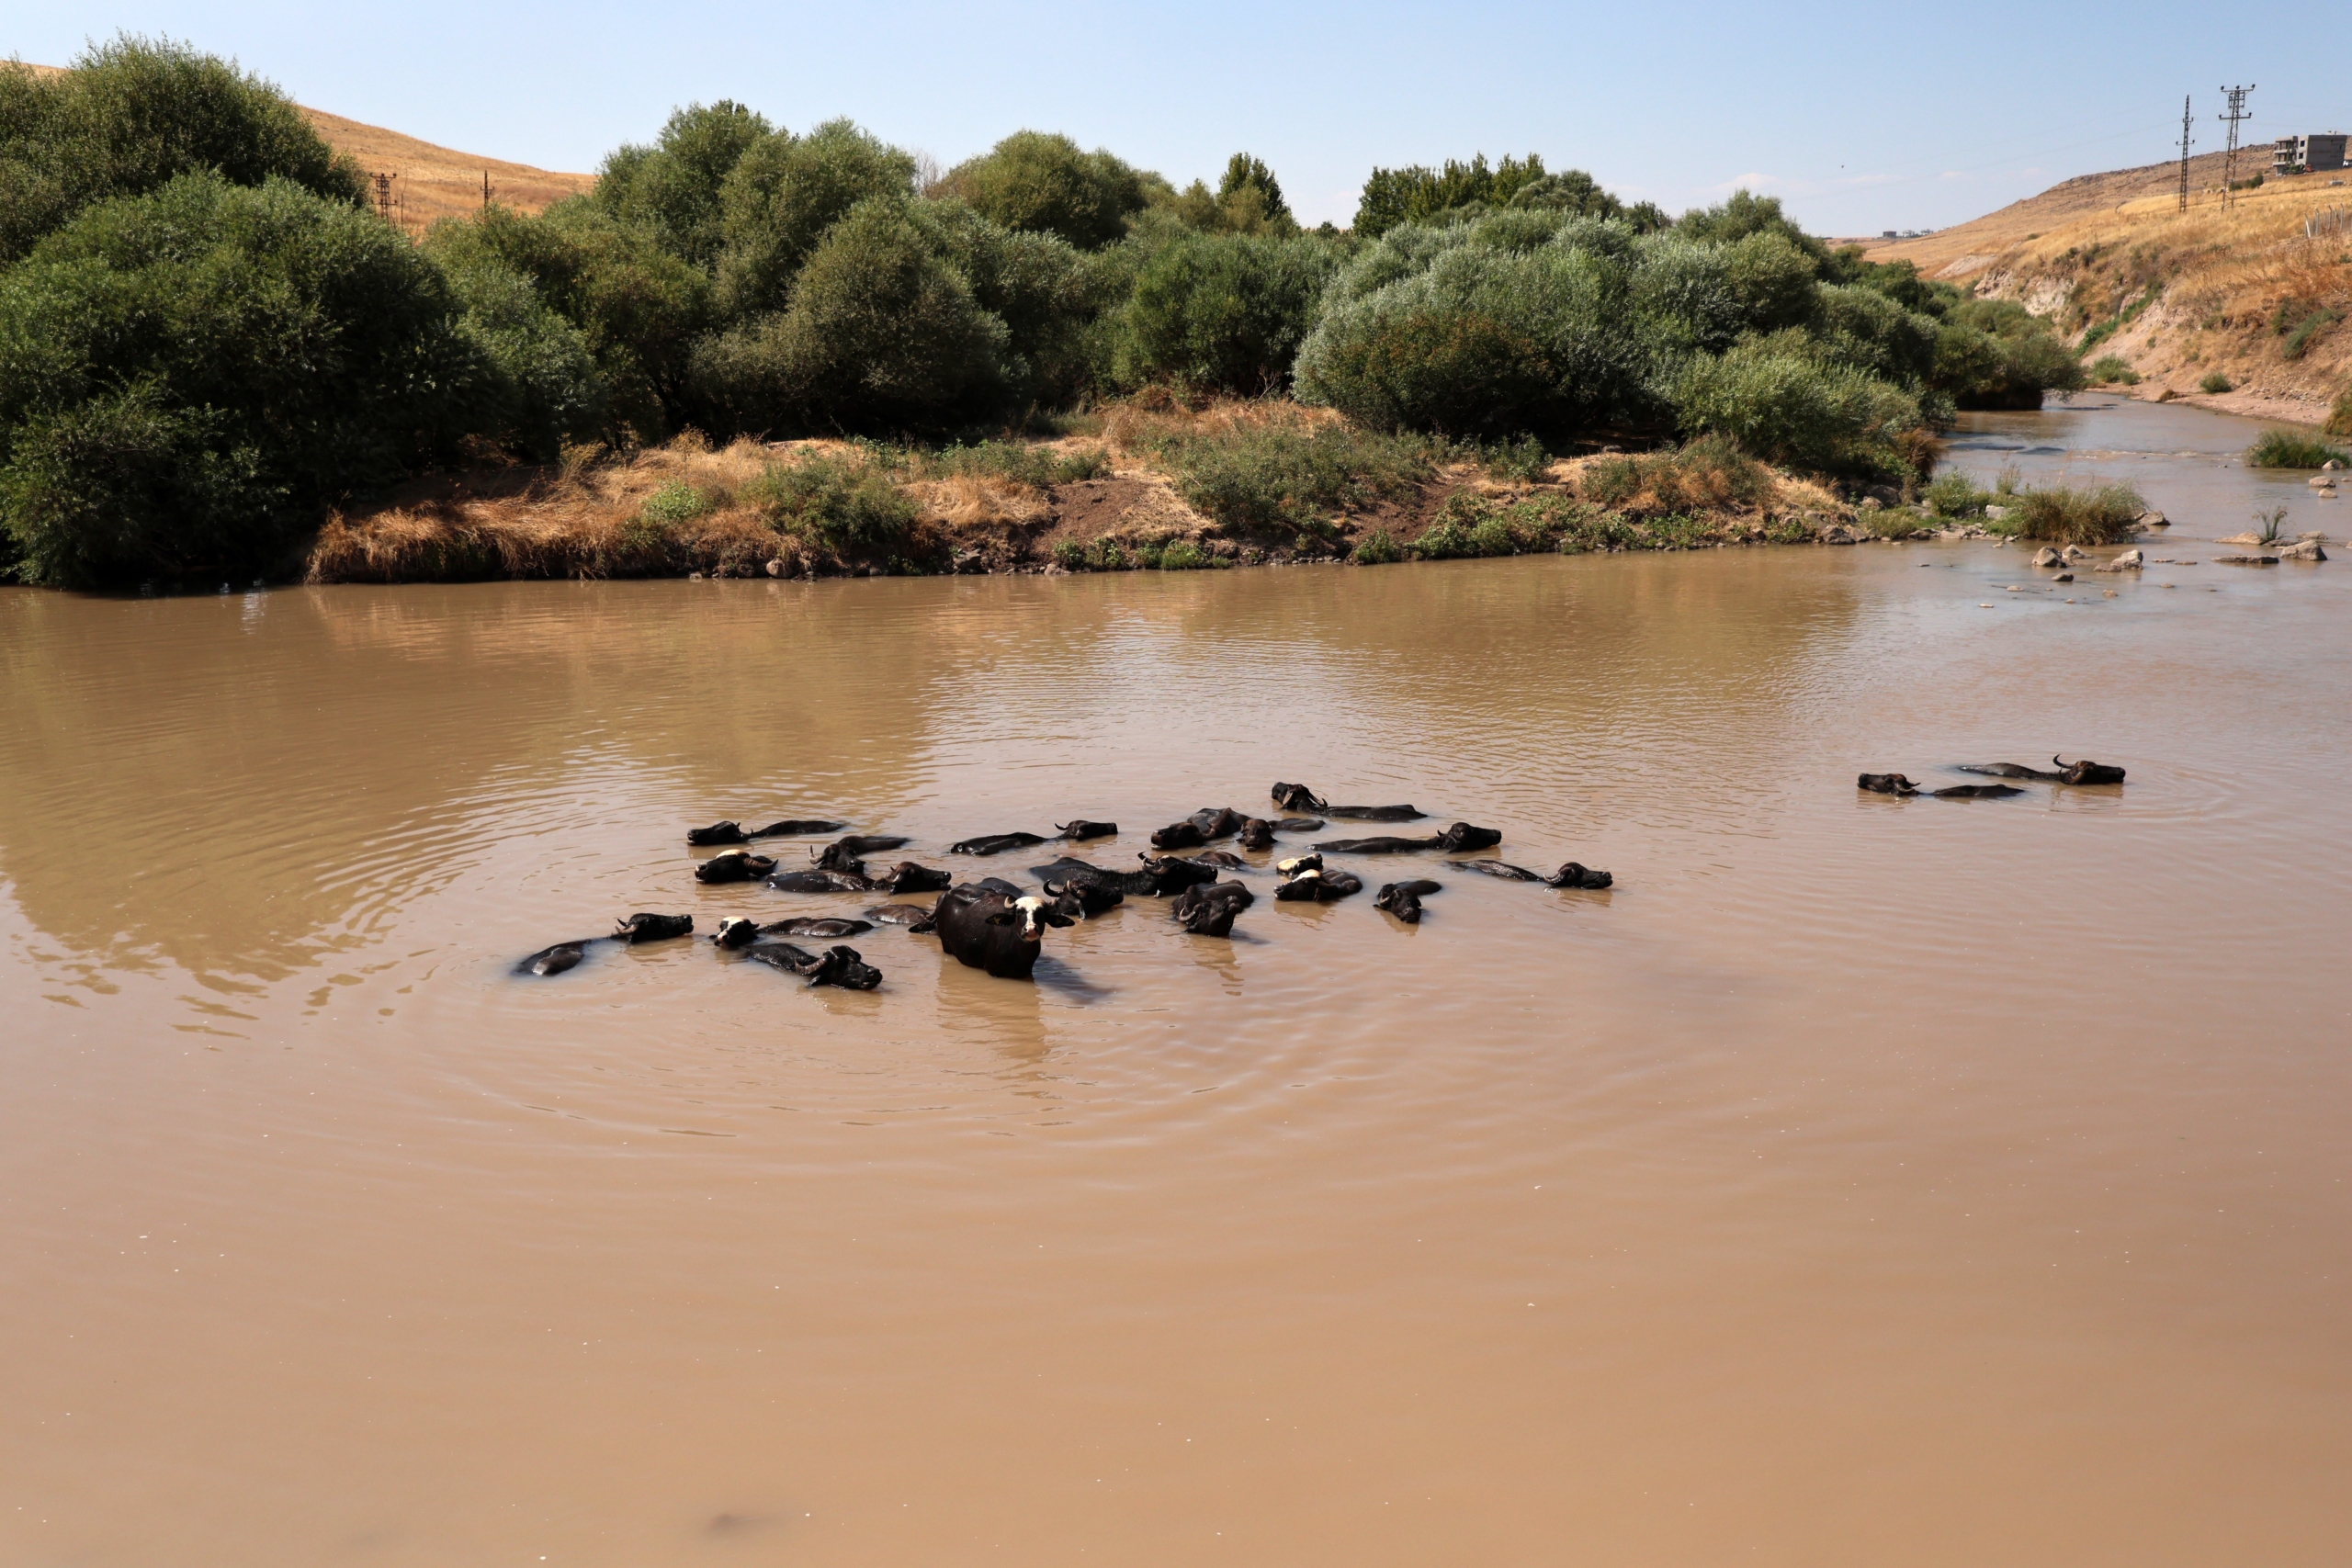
{"x":1043,"y":182}
{"x":670,"y":190}
{"x":136,"y":113}
{"x":188,"y":377}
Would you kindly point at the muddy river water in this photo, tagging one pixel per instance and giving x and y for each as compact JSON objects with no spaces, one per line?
{"x":1859,"y":1181}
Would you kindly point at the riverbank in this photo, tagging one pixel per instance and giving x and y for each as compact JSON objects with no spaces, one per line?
{"x":1140,"y":486}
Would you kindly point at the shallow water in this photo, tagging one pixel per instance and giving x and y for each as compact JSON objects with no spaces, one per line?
{"x":1861,"y":1180}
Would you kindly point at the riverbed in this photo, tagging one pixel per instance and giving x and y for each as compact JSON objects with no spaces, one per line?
{"x":1858,"y":1181}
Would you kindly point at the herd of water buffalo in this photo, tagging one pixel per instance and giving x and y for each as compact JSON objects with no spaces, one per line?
{"x":999,"y":926}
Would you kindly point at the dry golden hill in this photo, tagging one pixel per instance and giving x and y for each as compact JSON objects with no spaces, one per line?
{"x":430,"y":182}
{"x":2258,"y":292}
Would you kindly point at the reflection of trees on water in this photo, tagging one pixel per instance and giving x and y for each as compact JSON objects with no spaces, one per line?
{"x":241,"y":786}
{"x":238,"y":786}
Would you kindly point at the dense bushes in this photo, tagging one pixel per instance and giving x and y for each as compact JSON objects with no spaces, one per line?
{"x":2104,"y":515}
{"x":1222,"y":311}
{"x":2291,"y":449}
{"x":188,"y":377}
{"x":133,"y":115}
{"x":1035,"y":181}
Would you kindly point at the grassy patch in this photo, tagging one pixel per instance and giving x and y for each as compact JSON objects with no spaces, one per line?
{"x":838,"y":505}
{"x":2063,"y":515}
{"x":1270,"y":480}
{"x":1029,"y":464}
{"x":2300,"y":338}
{"x":2108,"y":370}
{"x":1470,"y":526}
{"x":1710,"y":474}
{"x":2289,"y":450}
{"x":2215,"y":384}
{"x":1378,"y":548}
{"x":1523,"y":461}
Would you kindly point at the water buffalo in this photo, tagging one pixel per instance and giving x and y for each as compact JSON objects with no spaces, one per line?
{"x":1319,"y":886}
{"x":1569,"y":876}
{"x":2082,"y":772}
{"x":1185,"y":835}
{"x":1221,"y":859}
{"x":1460,"y":838}
{"x":1208,"y":908}
{"x":1403,"y":899}
{"x":1300,"y":864}
{"x":1160,"y":875}
{"x":1083,"y":829}
{"x":735,"y":833}
{"x":908,"y":877}
{"x":555,"y":960}
{"x":1895,"y":784}
{"x":899,"y":915}
{"x":842,"y":854}
{"x":1092,"y":894}
{"x":994,"y":843}
{"x":821,"y":882}
{"x":1298,"y":797}
{"x":734,"y":866}
{"x":563,"y":955}
{"x":835,"y":966}
{"x":652,"y":928}
{"x":981,"y":927}
{"x":736,"y":932}
{"x":1257,"y":833}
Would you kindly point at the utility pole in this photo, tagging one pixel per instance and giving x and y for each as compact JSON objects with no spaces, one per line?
{"x":383,"y":182}
{"x":2230,"y":159}
{"x":486,"y":188}
{"x":2184,"y":151}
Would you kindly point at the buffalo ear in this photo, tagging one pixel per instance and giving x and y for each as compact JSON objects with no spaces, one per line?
{"x":1052,"y":919}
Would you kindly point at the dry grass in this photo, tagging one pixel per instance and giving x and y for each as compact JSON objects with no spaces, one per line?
{"x":431,"y":182}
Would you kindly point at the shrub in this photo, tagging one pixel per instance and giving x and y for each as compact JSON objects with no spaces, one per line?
{"x":1034,"y":180}
{"x":1953,"y":495}
{"x":1070,"y":555}
{"x":675,"y":502}
{"x":781,"y":196}
{"x":1829,"y":419}
{"x":2108,"y":370}
{"x":1395,"y":196}
{"x":1710,"y":474}
{"x":2214,"y":383}
{"x":881,"y":331}
{"x":134,"y":114}
{"x":1524,"y":460}
{"x":194,"y":375}
{"x":2300,"y":339}
{"x":844,"y":506}
{"x":1222,"y":311}
{"x":543,"y":387}
{"x":671,"y":192}
{"x":2291,"y":449}
{"x":2269,"y":525}
{"x":1183,"y":554}
{"x":1378,"y":548}
{"x":2339,"y":415}
{"x":1270,"y":479}
{"x":1025,"y":463}
{"x":2061,"y":515}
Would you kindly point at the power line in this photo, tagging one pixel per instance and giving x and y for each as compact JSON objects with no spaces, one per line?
{"x":2230,"y":159}
{"x":2184,"y":151}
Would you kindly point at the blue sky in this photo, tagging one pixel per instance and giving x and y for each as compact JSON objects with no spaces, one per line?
{"x":1862,"y":117}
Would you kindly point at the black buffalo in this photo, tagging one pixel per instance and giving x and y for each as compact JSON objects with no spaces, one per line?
{"x":1319,"y":886}
{"x":900,"y":915}
{"x":982,"y":928}
{"x":1895,"y":784}
{"x":563,"y":955}
{"x":736,"y":833}
{"x":1403,"y":899}
{"x":821,"y":882}
{"x":994,"y":843}
{"x":1160,"y":875}
{"x":1093,"y":896}
{"x":908,"y":877}
{"x":1257,"y":833}
{"x":835,"y":966}
{"x":1460,"y":838}
{"x":735,"y":933}
{"x":1569,"y":876}
{"x":1208,"y":908}
{"x":1083,"y":829}
{"x":1205,"y":826}
{"x":2082,"y":772}
{"x":1298,"y":797}
{"x":734,"y":866}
